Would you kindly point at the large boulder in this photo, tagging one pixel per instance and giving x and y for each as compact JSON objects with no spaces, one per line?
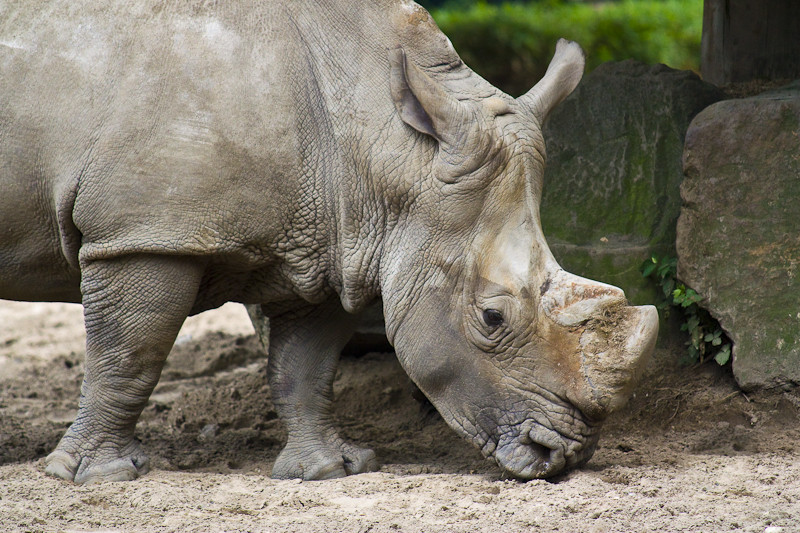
{"x":739,"y":229}
{"x":611,"y":188}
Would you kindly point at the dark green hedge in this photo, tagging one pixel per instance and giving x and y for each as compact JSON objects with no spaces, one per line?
{"x":511,"y":44}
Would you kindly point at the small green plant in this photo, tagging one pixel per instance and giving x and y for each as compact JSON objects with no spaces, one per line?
{"x":706,"y":338}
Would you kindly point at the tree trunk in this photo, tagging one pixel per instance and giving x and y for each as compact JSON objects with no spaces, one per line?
{"x":750,"y":39}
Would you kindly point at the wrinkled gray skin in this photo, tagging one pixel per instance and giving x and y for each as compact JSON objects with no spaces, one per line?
{"x":159,"y":159}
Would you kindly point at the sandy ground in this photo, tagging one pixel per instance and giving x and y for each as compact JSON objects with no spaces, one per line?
{"x":689,"y":453}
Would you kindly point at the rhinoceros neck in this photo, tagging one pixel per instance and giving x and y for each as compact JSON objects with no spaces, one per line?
{"x":364,"y":162}
{"x":368,"y":207}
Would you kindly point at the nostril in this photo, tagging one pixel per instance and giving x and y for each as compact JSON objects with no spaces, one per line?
{"x":535,"y":452}
{"x":548,"y":447}
{"x":542,"y":451}
{"x":548,"y":461}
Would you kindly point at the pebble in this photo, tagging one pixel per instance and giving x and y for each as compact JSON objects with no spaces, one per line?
{"x":208,"y":432}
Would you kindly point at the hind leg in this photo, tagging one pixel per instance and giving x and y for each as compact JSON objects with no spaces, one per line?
{"x":133,"y":307}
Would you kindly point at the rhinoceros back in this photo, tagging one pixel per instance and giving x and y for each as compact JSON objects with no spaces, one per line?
{"x":186,"y":128}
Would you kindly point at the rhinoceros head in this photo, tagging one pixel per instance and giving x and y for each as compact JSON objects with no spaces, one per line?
{"x":519,"y":356}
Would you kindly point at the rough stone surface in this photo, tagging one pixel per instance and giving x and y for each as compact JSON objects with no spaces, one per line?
{"x":611,"y":189}
{"x":739,"y":229}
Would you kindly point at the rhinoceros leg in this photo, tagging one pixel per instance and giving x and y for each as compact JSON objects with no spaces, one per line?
{"x":133,"y":309}
{"x":304,"y":352}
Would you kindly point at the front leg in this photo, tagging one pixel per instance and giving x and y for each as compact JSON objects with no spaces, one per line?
{"x":304,"y":352}
{"x":133,"y":307}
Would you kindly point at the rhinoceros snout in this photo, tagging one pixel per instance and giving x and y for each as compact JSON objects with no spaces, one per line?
{"x":533,"y":450}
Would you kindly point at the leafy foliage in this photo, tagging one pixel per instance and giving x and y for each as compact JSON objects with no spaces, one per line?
{"x":511,"y":44}
{"x":706,"y":338}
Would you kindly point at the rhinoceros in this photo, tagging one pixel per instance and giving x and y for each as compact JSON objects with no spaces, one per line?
{"x":308,"y":157}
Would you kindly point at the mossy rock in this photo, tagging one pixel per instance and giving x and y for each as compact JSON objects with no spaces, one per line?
{"x":612,"y":182}
{"x":739,"y":230}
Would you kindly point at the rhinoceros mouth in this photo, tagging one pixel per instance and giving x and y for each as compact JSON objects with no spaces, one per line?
{"x":530,"y":450}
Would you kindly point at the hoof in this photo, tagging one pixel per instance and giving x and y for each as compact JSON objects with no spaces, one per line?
{"x":83,"y":469}
{"x":61,"y":464}
{"x":118,"y":470}
{"x":360,"y":461}
{"x":328,"y":463}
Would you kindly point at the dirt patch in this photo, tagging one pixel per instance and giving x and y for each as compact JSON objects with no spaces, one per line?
{"x":689,"y":452}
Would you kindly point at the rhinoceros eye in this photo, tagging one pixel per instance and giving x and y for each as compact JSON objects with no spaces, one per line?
{"x":492,"y":317}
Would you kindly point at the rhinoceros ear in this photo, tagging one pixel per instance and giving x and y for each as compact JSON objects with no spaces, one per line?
{"x":423,"y":103}
{"x":561,"y":78}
